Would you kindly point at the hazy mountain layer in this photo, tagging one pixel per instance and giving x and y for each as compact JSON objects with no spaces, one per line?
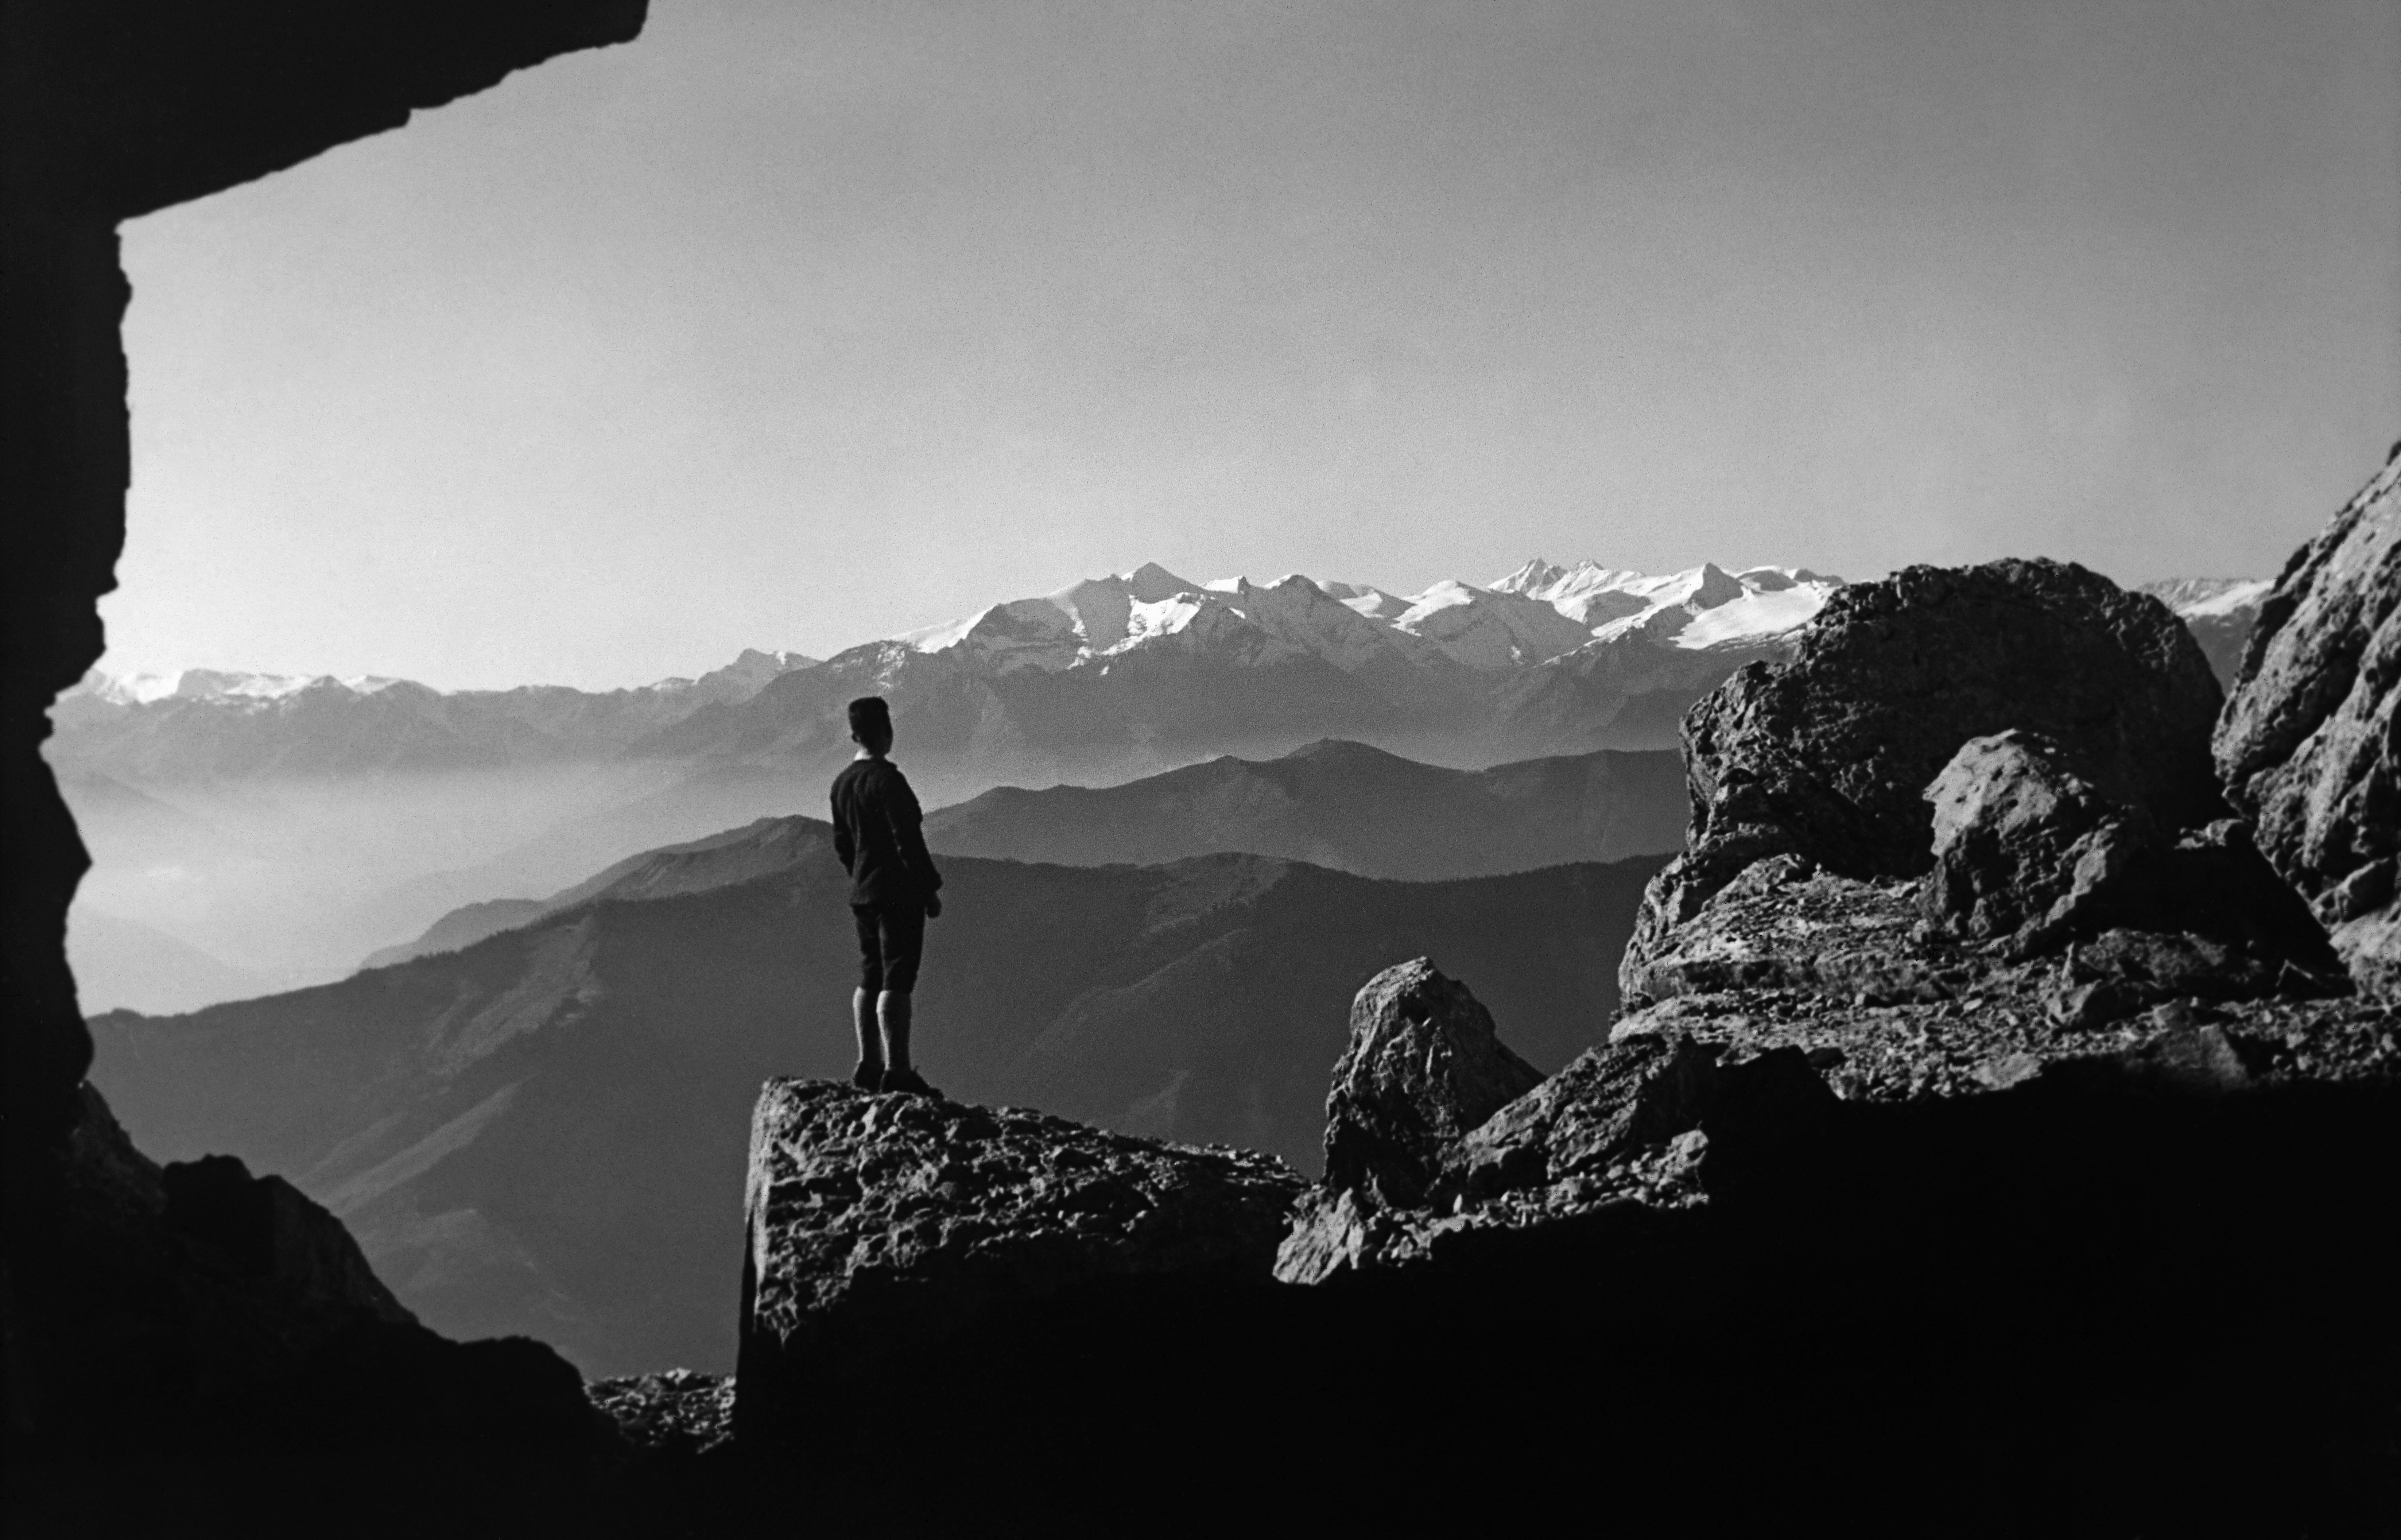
{"x":1344,"y":806}
{"x":1338,"y":805}
{"x":537,"y":1133}
{"x":122,"y":964}
{"x":757,"y":848}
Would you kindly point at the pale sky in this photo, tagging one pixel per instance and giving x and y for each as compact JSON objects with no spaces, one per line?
{"x":792,"y":325}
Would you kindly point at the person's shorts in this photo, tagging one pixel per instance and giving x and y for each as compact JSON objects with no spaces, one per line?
{"x":891,"y":940}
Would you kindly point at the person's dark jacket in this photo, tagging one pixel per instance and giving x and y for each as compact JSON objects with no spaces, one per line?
{"x":877,"y":832}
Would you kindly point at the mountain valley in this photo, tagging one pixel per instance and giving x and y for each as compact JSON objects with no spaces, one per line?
{"x":537,"y":1134}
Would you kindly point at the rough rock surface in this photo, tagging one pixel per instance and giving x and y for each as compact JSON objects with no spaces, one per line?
{"x":2020,"y":839}
{"x":1423,"y":1065}
{"x":1558,"y":1151}
{"x":2084,"y":818}
{"x":2050,"y":903}
{"x":2310,"y":745}
{"x":676,"y":1411}
{"x":2029,"y":856}
{"x":884,"y":1224}
{"x":1698,"y":1094}
{"x":1828,"y":756}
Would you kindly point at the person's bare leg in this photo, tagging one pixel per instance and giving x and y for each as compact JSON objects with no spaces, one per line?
{"x":894,"y":1010}
{"x":870,"y":1046}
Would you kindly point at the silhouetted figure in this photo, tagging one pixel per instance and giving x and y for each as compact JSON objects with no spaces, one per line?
{"x":877,"y":833}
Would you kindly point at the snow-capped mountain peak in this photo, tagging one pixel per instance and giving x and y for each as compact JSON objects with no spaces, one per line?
{"x":2195,"y":598}
{"x":222,"y":684}
{"x":1366,"y":600}
{"x":1539,"y":614}
{"x":1536,"y":613}
{"x":128,"y":689}
{"x":1531,"y":577}
{"x":744,"y":677}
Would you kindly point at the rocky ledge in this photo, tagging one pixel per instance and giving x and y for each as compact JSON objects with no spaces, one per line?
{"x":884,"y":1228}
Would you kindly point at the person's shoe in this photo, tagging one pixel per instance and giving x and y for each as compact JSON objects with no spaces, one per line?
{"x":909,"y":1081}
{"x":868,"y":1076}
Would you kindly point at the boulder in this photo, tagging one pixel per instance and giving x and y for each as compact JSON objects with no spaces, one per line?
{"x":1612,"y":1100}
{"x":1828,"y":756}
{"x":2310,"y":746}
{"x":1610,"y":1147}
{"x":2030,"y":855}
{"x":1423,"y":1065}
{"x":2022,"y":839}
{"x":881,"y":1227}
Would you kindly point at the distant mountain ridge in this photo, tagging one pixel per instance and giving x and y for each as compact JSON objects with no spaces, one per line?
{"x":1545,"y":660}
{"x":1107,"y":678}
{"x":757,"y":849}
{"x":1344,"y":806}
{"x":208,"y":725}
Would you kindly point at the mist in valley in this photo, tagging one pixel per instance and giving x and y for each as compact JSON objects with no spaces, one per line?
{"x":198,"y":891}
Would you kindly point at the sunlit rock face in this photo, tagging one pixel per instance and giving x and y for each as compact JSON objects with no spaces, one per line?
{"x":1828,"y":756}
{"x":1423,"y":1065}
{"x":2311,"y":745}
{"x":2020,"y":837}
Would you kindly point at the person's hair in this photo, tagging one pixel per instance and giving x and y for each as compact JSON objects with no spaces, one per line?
{"x":869,"y":717}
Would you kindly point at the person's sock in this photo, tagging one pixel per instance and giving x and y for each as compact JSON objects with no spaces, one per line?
{"x":862,"y":1017}
{"x":894,"y":1010}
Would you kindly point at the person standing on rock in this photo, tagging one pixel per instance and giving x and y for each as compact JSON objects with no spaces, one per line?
{"x":893,"y":893}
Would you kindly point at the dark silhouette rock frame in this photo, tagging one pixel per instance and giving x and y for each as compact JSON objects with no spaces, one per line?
{"x":214,"y":1332}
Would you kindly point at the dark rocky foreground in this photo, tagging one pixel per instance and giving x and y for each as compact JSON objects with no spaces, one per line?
{"x":191,"y":1350}
{"x":1683,"y":1283}
{"x":198,"y":1350}
{"x":1995,"y":1143}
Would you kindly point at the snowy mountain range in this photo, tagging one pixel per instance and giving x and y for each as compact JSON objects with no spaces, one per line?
{"x":1537,"y":614}
{"x":1545,"y":660}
